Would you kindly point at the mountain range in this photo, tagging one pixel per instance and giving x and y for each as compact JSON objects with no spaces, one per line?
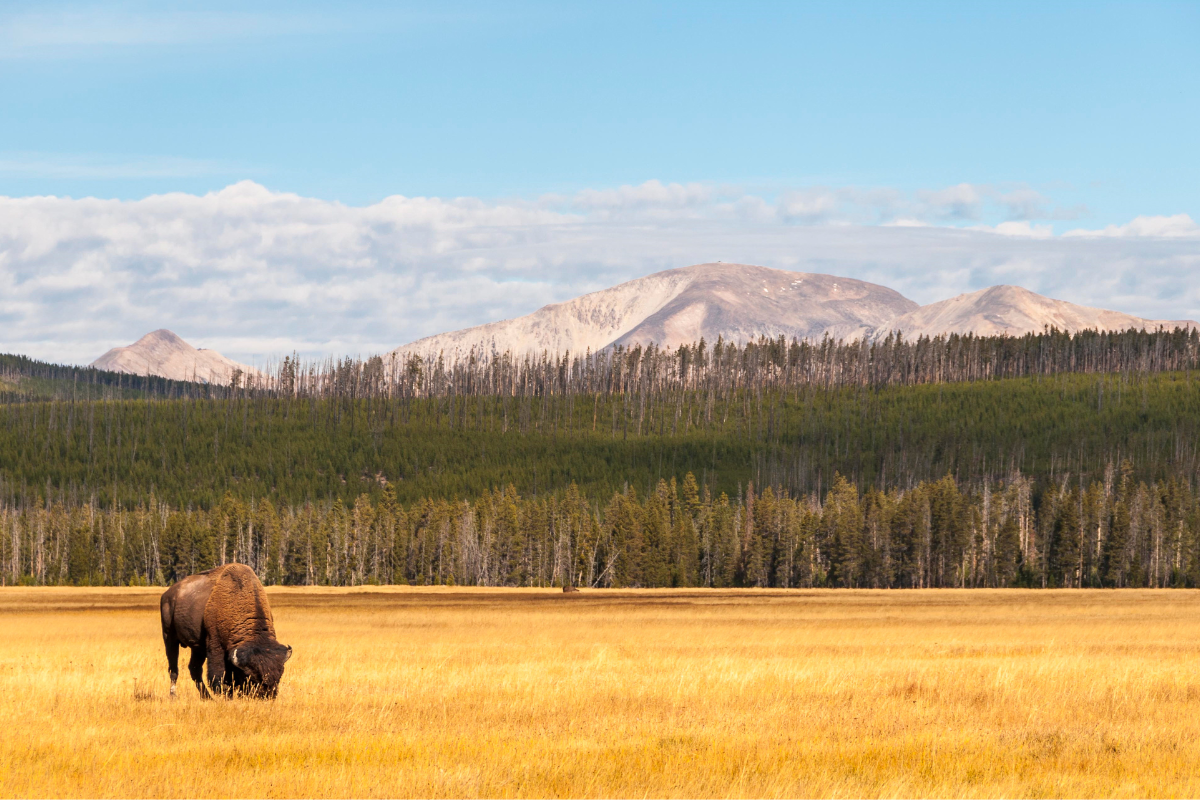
{"x":735,"y":301}
{"x":742,"y":301}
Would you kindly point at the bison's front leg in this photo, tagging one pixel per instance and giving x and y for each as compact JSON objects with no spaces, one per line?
{"x":196,"y":670}
{"x":172,"y":645}
{"x":216,"y":665}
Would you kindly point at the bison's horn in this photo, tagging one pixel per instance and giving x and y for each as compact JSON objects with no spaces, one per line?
{"x":233,"y":658}
{"x":289,"y":653}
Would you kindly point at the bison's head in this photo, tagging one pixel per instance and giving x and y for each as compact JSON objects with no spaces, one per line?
{"x":262,"y":662}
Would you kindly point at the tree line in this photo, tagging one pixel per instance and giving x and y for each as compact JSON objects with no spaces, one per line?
{"x":291,"y":449}
{"x":23,"y":379}
{"x":1116,"y":531}
{"x":713,"y":368}
{"x":792,"y":426}
{"x":719,"y":368}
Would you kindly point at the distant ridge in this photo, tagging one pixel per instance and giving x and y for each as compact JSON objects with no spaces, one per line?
{"x":165,"y":354}
{"x":734,"y":301}
{"x":741,"y":302}
{"x":1015,"y":311}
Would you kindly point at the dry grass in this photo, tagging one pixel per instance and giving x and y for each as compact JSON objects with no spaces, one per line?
{"x":529,"y":693}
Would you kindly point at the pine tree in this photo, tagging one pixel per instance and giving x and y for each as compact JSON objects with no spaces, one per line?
{"x":1066,"y":542}
{"x":843,"y":524}
{"x":1116,"y":546}
{"x":1008,"y":551}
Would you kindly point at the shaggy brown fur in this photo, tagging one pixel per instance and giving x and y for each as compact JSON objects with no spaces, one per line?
{"x":224,"y":617}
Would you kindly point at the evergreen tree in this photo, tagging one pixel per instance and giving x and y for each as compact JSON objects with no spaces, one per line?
{"x":843,"y":529}
{"x":1065,"y":548}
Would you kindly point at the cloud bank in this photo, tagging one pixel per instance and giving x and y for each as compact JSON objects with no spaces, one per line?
{"x":255,"y":273}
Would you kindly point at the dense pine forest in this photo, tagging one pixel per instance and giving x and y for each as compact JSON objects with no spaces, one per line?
{"x":1048,"y":460}
{"x":292,"y":450}
{"x":1113,"y":532}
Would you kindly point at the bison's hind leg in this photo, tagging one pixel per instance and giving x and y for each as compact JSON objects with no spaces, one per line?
{"x":196,"y":670}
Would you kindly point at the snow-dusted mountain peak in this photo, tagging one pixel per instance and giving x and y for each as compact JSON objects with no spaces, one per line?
{"x":741,"y":302}
{"x":736,"y":301}
{"x":165,"y":354}
{"x":1015,"y":311}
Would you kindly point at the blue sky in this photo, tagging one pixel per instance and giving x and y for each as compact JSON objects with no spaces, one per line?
{"x":259,"y":168}
{"x":1096,"y":106}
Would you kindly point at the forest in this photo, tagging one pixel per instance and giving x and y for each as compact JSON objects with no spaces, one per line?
{"x":1116,"y":531}
{"x":1045,"y":460}
{"x":292,"y":450}
{"x":643,"y":374}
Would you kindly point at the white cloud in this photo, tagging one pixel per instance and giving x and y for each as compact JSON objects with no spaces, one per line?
{"x":811,"y":205}
{"x":255,"y":273}
{"x":963,"y":201}
{"x":906,"y":222}
{"x":1178,"y":225}
{"x":975,"y":201}
{"x":651,"y":195}
{"x":1021,"y":228}
{"x":1025,"y":204}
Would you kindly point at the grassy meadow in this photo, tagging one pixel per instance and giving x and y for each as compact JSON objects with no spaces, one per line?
{"x":511,"y":692}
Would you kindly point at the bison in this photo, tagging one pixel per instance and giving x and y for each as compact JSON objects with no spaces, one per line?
{"x":223,"y":616}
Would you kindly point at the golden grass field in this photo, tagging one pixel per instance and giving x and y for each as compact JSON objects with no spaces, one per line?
{"x":442,"y":692}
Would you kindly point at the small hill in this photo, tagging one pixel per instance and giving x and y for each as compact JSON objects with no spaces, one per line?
{"x":1015,"y":311}
{"x":165,"y":354}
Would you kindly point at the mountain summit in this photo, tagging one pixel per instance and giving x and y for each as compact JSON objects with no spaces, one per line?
{"x":742,"y":302}
{"x":1015,"y":311}
{"x":736,"y":301}
{"x":164,"y":354}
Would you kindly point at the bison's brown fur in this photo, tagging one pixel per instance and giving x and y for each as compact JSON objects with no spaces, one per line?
{"x":224,"y":617}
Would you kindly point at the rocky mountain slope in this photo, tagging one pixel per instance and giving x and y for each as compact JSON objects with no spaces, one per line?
{"x":164,"y":354}
{"x":1015,"y":311}
{"x":737,"y":301}
{"x":741,"y":302}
